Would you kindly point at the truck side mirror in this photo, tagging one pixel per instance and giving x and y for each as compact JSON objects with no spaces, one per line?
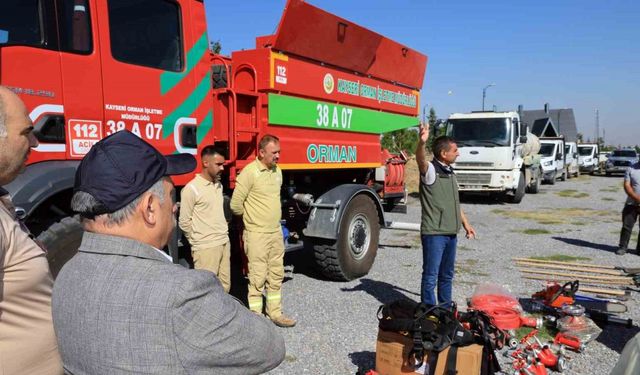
{"x":558,"y":156}
{"x":522,"y":139}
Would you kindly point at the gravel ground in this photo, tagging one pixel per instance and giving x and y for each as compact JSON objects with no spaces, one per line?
{"x":337,"y":325}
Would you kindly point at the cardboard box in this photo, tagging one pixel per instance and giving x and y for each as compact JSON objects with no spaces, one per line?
{"x":392,"y":357}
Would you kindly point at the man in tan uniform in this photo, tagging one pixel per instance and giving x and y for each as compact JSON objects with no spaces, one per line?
{"x":257,"y":198}
{"x":27,"y":340}
{"x":202,"y":218}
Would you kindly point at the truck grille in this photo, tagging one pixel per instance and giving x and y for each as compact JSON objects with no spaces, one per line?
{"x":474,"y":178}
{"x":473,"y":164}
{"x":621,"y":163}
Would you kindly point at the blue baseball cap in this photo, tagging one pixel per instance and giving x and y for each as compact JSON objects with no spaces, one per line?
{"x":122,"y":166}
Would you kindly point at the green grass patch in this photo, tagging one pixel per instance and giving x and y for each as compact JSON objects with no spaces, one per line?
{"x":546,"y":333}
{"x":464,"y":248}
{"x":612,"y":189}
{"x":550,"y":222}
{"x":548,"y":216}
{"x":570,"y":193}
{"x":579,"y":223}
{"x":608,"y":199}
{"x":560,"y":258}
{"x":533,"y":231}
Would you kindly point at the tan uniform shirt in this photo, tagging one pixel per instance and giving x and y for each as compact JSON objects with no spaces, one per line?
{"x":27,"y":340}
{"x":257,"y":198}
{"x":201,"y":213}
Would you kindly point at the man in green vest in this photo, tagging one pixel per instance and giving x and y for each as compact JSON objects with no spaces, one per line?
{"x":442,"y":217}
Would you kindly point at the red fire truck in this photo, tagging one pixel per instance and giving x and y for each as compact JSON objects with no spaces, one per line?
{"x":325,"y":86}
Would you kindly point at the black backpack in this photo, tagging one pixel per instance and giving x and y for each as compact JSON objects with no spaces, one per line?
{"x":435,"y":328}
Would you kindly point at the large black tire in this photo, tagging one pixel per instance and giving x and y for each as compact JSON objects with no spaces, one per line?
{"x":520,"y":190}
{"x":552,"y":181}
{"x":62,"y":240}
{"x":565,"y":172}
{"x":352,"y":254}
{"x":534,"y":187}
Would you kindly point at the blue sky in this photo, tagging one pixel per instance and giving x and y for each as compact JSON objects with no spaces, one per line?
{"x":575,"y":54}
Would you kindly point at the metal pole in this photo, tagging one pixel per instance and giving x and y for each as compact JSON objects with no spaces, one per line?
{"x":484,"y":94}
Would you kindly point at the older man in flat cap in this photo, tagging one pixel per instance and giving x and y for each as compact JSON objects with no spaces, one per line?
{"x":120,"y":306}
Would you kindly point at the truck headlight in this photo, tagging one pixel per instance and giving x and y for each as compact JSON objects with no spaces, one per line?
{"x":587,"y":160}
{"x":547,"y":163}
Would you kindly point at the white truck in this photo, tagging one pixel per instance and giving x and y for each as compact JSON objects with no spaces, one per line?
{"x":553,"y":159}
{"x":497,"y":154}
{"x":589,"y":158}
{"x":571,"y":153}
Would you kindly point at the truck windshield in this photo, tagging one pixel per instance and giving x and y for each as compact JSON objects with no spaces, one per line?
{"x":479,"y":132}
{"x":20,"y":22}
{"x":546,"y":149}
{"x":624,"y":154}
{"x":585,"y":151}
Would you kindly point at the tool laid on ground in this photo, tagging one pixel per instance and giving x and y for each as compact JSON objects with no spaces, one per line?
{"x":627,"y":270}
{"x":569,"y":341}
{"x":533,"y":357}
{"x":607,"y":278}
{"x":622,"y":280}
{"x":587,"y":271}
{"x":572,"y":268}
{"x":556,"y":295}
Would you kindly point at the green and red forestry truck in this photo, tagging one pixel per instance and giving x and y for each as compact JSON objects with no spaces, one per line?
{"x":325,"y":86}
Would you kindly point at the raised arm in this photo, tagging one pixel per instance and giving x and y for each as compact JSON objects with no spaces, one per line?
{"x":421,"y":152}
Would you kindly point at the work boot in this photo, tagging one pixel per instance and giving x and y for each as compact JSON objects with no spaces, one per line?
{"x":283,"y":321}
{"x":621,"y":251}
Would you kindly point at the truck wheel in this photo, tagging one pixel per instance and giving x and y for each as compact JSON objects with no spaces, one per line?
{"x":519,"y":193}
{"x":534,"y":187}
{"x":352,"y":254}
{"x":552,"y":181}
{"x":62,"y":240}
{"x":564,"y":175}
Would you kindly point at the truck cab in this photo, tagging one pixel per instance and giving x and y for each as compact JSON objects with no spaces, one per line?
{"x":588,"y":158}
{"x":493,"y":157}
{"x":571,"y":152}
{"x":552,"y":151}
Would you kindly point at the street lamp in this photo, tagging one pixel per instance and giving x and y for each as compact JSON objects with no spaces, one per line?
{"x":484,"y":93}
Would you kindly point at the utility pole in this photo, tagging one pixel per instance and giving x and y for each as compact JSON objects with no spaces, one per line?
{"x":484,"y":94}
{"x":597,"y":126}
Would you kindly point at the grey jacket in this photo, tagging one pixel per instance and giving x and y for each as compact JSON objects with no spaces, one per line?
{"x":120,"y":307}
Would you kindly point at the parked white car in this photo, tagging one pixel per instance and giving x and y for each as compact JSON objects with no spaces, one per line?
{"x":589,"y":160}
{"x":571,"y":152}
{"x":552,"y":159}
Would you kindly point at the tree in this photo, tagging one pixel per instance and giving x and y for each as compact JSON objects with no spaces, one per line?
{"x":215,"y":47}
{"x":401,"y":140}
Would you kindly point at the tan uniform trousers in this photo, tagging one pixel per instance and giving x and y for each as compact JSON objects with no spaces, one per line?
{"x":265,"y":254}
{"x":216,"y":259}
